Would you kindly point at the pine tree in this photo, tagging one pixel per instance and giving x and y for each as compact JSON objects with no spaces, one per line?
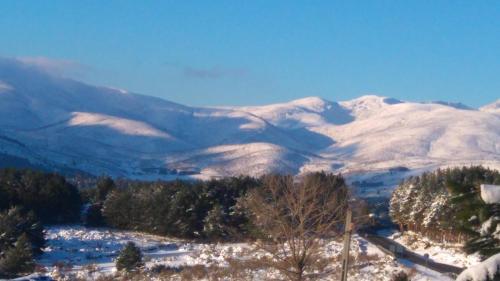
{"x":14,"y":223}
{"x":18,"y":259}
{"x":130,"y":258}
{"x":214,"y":223}
{"x":104,"y":187}
{"x":49,"y":196}
{"x":446,"y":204}
{"x":93,"y":216}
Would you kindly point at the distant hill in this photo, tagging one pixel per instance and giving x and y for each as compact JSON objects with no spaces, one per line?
{"x":64,"y":124}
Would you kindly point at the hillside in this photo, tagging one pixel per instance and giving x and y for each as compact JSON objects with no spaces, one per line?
{"x":66,"y":125}
{"x":492,"y":108}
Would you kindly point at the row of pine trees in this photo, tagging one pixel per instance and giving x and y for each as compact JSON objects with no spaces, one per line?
{"x":446,"y":205}
{"x":185,"y":209}
{"x":189,"y":209}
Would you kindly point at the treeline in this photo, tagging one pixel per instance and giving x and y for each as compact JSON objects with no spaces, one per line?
{"x":210,"y":210}
{"x":187,"y":209}
{"x":49,"y":196}
{"x":27,"y":200}
{"x":444,"y":204}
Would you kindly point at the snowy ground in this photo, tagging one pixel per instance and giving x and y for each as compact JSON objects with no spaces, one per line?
{"x":87,"y":253}
{"x":448,"y":253}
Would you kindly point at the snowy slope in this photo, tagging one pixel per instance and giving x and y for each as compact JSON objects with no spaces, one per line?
{"x":64,"y":124}
{"x":492,"y":108}
{"x":386,"y":132}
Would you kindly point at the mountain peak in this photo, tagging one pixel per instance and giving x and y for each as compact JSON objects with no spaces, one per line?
{"x":375,"y":99}
{"x":57,"y":122}
{"x":310,"y":102}
{"x":309,"y":99}
{"x":493,"y":107}
{"x":367,"y":105}
{"x":315,"y":104}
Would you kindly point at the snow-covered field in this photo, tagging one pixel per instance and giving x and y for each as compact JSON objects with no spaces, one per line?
{"x":88,"y":253}
{"x":448,"y":253}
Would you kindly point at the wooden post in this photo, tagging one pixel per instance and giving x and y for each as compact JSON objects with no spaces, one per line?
{"x":347,"y":244}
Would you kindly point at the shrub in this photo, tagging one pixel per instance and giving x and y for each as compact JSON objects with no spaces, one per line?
{"x":104,"y":187}
{"x":130,"y":258}
{"x":214,"y":225}
{"x":400,"y":276}
{"x":18,"y":259}
{"x":15,"y":223}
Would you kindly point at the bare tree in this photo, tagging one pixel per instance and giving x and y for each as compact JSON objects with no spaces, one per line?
{"x":295,"y":218}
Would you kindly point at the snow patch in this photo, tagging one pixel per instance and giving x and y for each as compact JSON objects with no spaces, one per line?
{"x":121,"y":125}
{"x":483,"y":271}
{"x":444,"y":252}
{"x":492,"y":108}
{"x":490,"y":193}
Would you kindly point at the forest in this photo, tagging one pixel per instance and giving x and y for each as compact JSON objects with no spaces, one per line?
{"x":214,"y":210}
{"x":446,"y":205}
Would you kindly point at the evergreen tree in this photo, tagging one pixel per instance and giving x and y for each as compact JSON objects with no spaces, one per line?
{"x":485,"y":236}
{"x":180,"y":208}
{"x":130,"y":258}
{"x":15,"y":223}
{"x":447,"y":204}
{"x":104,"y":187}
{"x":93,"y":216}
{"x":118,"y":209}
{"x":214,"y":225}
{"x":49,"y":196}
{"x":17,"y":259}
{"x":4,"y":198}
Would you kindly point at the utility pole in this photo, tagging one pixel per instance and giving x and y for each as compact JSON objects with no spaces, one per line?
{"x":347,"y":244}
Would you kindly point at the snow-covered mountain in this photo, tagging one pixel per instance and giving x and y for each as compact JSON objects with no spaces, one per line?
{"x":62,"y":124}
{"x":493,"y":107}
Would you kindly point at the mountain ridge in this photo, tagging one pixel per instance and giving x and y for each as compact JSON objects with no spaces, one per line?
{"x":61,"y":122}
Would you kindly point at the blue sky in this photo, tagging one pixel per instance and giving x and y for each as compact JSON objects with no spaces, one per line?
{"x":258,"y":52}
